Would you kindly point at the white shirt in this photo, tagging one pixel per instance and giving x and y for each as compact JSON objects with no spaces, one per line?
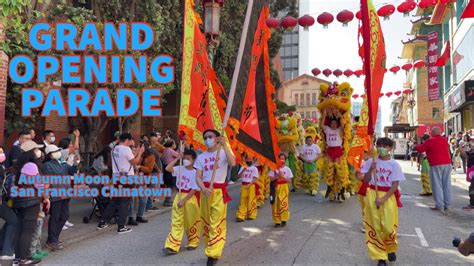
{"x":187,"y":178}
{"x":206,"y":162}
{"x":387,"y":172}
{"x":310,"y":153}
{"x":285,"y":170}
{"x":333,"y":137}
{"x":121,"y":157}
{"x":249,"y":174}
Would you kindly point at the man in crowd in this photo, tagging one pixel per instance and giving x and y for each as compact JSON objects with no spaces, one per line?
{"x":123,"y":161}
{"x":48,"y":138}
{"x":437,"y":152}
{"x":214,"y":201}
{"x":116,"y":139}
{"x":16,"y":151}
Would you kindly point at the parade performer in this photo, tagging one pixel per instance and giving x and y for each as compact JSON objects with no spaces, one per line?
{"x":280,"y":205}
{"x":335,"y":104}
{"x":425,"y":173}
{"x":185,"y":213}
{"x":262,"y":182}
{"x":382,"y":200}
{"x":287,"y":138}
{"x":214,"y":199}
{"x":309,"y":155}
{"x":301,"y":130}
{"x":248,"y":192}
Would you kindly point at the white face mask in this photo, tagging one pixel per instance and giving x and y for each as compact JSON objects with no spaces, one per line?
{"x":186,"y":163}
{"x":2,"y":157}
{"x":210,"y":143}
{"x":38,"y":154}
{"x":53,"y":139}
{"x":56,"y":155}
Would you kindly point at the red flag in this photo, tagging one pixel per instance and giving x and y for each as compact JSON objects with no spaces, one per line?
{"x":469,"y":10}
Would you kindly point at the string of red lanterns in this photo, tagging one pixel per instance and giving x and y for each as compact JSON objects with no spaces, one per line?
{"x":348,"y":72}
{"x":346,"y":16}
{"x":386,"y":94}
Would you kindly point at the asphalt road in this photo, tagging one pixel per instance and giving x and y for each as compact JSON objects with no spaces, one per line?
{"x":319,"y":232}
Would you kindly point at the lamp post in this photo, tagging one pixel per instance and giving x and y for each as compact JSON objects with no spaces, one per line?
{"x":212,"y":16}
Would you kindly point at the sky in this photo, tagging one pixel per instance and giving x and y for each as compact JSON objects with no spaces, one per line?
{"x":337,"y":46}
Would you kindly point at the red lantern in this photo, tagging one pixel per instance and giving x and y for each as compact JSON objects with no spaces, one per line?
{"x":272,"y":23}
{"x":289,"y":23}
{"x":407,"y":91}
{"x":358,"y":73}
{"x":407,"y":66}
{"x":306,"y":21}
{"x":424,"y":4}
{"x":406,"y":7}
{"x":394,"y":69}
{"x":419,"y":64}
{"x":359,"y":15}
{"x":316,"y":71}
{"x":327,"y":72}
{"x":363,"y":96}
{"x":381,"y":95}
{"x":398,"y":93}
{"x":355,"y":96}
{"x":345,"y":16}
{"x":348,"y":73}
{"x":388,"y":94}
{"x":337,"y":72}
{"x":386,"y":11}
{"x":325,"y":19}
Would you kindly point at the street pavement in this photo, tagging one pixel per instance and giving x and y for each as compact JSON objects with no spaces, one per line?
{"x":319,"y":232}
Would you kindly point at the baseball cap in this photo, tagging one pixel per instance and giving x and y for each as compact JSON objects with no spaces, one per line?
{"x":30,"y":145}
{"x":51,"y":148}
{"x":30,"y":169}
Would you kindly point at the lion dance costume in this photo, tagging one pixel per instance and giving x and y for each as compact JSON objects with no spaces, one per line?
{"x":336,"y":99}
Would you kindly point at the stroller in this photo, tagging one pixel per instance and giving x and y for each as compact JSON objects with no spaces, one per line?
{"x":99,"y":204}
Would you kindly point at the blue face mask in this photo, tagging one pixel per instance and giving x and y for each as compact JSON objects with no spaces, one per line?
{"x":382,"y":151}
{"x":210,"y":143}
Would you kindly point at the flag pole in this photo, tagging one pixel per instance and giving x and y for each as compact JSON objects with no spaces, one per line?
{"x":233,"y":85}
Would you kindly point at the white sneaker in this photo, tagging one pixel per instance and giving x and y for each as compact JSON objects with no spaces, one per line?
{"x":68,"y":224}
{"x":231,"y":182}
{"x":5,"y":257}
{"x":65,"y":227}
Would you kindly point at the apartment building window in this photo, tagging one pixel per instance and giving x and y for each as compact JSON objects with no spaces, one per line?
{"x":314,"y":99}
{"x":302,"y":115}
{"x":308,"y":98}
{"x":296,"y":100}
{"x":313,"y":114}
{"x":436,"y":114}
{"x":308,"y":114}
{"x":302,"y":99}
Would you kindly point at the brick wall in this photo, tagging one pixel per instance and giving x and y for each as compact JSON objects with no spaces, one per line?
{"x":3,"y":83}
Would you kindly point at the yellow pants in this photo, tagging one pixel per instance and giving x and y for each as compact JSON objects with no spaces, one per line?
{"x":248,"y":203}
{"x":266,"y":183}
{"x":213,"y":216}
{"x":425,"y":183}
{"x":185,"y":219}
{"x":311,"y":181}
{"x":380,"y":226}
{"x":280,"y":208}
{"x":260,"y":197}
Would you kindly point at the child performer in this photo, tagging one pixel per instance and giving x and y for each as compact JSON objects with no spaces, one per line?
{"x":425,"y":173}
{"x":248,"y":193}
{"x":382,"y":200}
{"x":281,"y":178}
{"x":360,"y":184}
{"x":185,"y":214}
{"x":309,"y":155}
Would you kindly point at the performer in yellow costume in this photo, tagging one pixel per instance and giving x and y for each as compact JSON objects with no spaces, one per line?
{"x":425,"y":174}
{"x":248,"y":192}
{"x":185,"y":213}
{"x":310,"y":153}
{"x":382,"y":200}
{"x":335,"y":104}
{"x":214,"y":200}
{"x":280,"y":206}
{"x":263,"y":183}
{"x":287,"y":138}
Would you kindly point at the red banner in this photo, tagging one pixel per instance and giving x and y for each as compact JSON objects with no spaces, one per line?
{"x":433,"y":84}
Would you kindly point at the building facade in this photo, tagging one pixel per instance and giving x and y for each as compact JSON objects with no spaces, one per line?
{"x":302,"y":92}
{"x":356,"y":108}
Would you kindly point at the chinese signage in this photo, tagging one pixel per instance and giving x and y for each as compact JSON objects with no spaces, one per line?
{"x":433,"y":85}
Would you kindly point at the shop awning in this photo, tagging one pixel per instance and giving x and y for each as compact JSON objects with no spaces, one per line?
{"x":469,"y":10}
{"x":444,"y":57}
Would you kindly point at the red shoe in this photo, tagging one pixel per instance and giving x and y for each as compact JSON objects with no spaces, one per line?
{"x":468,"y":208}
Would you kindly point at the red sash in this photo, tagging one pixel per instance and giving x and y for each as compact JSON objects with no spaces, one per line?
{"x":196,"y":193}
{"x":363,"y":192}
{"x":257,"y":187}
{"x":222,"y":186}
{"x":280,"y":182}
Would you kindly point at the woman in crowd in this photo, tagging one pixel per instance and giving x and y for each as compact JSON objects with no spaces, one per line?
{"x":169,"y":154}
{"x":7,"y":233}
{"x":464,"y":147}
{"x":102,"y":163}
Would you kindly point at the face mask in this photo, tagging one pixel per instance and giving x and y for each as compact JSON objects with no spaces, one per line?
{"x":282,"y":162}
{"x":2,"y":157}
{"x":382,"y":151}
{"x":53,"y":139}
{"x":38,"y":154}
{"x":56,"y":155}
{"x":186,"y":163}
{"x":210,"y":143}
